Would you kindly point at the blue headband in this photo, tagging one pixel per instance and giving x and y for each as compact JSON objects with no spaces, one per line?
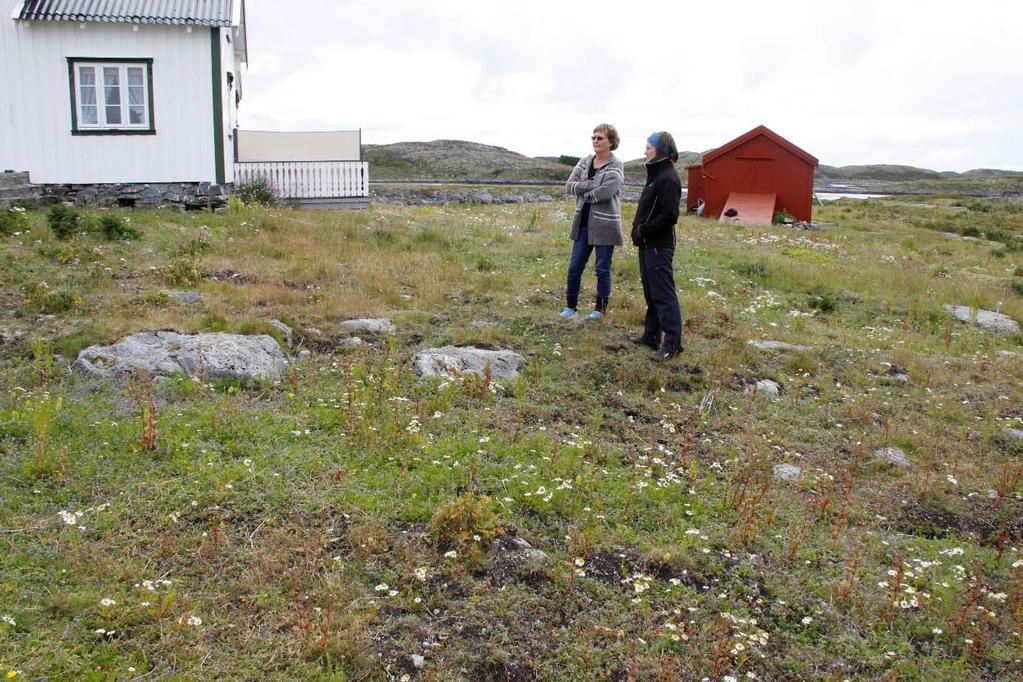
{"x":654,"y":139}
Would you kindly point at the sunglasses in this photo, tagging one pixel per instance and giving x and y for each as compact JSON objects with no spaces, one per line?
{"x":597,"y":137}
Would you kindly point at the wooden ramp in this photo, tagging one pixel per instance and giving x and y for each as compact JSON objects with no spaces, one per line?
{"x":750,"y":209}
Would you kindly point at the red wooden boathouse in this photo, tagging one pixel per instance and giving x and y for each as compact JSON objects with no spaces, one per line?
{"x":761,"y":162}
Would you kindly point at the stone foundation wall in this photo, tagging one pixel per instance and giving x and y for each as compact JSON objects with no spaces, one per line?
{"x":186,"y":195}
{"x":15,"y":189}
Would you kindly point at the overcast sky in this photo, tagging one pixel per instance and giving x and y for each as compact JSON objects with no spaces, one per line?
{"x":937,"y":85}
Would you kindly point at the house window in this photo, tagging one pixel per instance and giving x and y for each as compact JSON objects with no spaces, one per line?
{"x":111,"y":96}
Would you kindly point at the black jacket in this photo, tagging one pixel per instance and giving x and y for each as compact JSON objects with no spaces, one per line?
{"x":657,"y":213}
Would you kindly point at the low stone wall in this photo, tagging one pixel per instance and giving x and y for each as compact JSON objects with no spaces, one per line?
{"x":186,"y":195}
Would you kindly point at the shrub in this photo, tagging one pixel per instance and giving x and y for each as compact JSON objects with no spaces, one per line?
{"x":460,"y":521}
{"x":183,"y":272}
{"x":759,"y":269}
{"x":996,"y":235}
{"x":970,"y":232}
{"x":1017,"y":288}
{"x":63,"y":221}
{"x":568,"y":160}
{"x":1019,"y":271}
{"x":46,"y":300}
{"x":260,"y":192}
{"x":155,"y":298}
{"x":782,"y":217}
{"x":823,"y":302}
{"x":12,"y":220}
{"x":198,"y":245}
{"x":114,"y":228}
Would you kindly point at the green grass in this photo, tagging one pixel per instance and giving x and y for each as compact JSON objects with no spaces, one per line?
{"x":305,"y":531}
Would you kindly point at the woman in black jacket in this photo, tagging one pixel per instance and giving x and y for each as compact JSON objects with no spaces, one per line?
{"x":653,"y":232}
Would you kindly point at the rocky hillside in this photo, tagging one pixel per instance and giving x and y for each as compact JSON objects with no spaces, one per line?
{"x":457,"y":160}
{"x":462,"y":161}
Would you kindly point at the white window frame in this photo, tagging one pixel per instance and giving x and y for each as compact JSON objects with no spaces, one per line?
{"x":102,"y":126}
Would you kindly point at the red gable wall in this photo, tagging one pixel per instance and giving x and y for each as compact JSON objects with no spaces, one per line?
{"x":761,"y":162}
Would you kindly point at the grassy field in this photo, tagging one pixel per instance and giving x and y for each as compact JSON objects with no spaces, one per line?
{"x":348,"y":524}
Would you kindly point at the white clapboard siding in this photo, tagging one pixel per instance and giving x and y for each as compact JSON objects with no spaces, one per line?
{"x":308,"y":179}
{"x":35,"y":104}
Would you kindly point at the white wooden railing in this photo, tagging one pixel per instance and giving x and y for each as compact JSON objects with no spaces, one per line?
{"x":308,"y":179}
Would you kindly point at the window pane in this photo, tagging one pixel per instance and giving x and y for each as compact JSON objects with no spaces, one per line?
{"x":87,"y":95}
{"x":88,"y":113}
{"x":112,"y":94}
{"x":134,"y":76}
{"x":136,"y":115}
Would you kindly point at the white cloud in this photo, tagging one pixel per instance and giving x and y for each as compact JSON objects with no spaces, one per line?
{"x":936,"y":85}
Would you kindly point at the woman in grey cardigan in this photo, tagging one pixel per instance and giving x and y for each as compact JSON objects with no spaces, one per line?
{"x":597,"y":225}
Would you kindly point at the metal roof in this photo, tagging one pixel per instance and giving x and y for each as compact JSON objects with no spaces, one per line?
{"x":184,"y":12}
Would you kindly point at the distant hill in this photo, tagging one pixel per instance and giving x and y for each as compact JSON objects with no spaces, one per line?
{"x":461,"y":160}
{"x":471,"y":161}
{"x":457,"y":160}
{"x":905,"y":173}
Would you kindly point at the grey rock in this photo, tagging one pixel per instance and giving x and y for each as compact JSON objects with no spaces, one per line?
{"x":893,"y":456}
{"x":988,"y":320}
{"x":284,"y":329}
{"x":450,"y":362}
{"x":214,"y":356}
{"x":776,"y":346}
{"x":378,"y":325}
{"x":351,"y":342}
{"x":1014,"y":434}
{"x":787,"y":472}
{"x":515,"y":556}
{"x":973,"y":436}
{"x":992,"y":494}
{"x":1007,"y":354}
{"x":765,"y":387}
{"x":304,"y":353}
{"x":186,"y":297}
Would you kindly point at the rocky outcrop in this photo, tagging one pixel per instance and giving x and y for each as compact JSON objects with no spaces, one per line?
{"x":988,"y":320}
{"x":891,"y":455}
{"x":380,"y":325}
{"x":211,"y":356}
{"x":451,"y":362}
{"x":777,"y":346}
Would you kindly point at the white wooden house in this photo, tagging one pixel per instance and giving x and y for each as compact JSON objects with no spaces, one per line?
{"x":122,"y":101}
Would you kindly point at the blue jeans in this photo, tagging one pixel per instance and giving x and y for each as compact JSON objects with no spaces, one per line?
{"x":577,"y":263}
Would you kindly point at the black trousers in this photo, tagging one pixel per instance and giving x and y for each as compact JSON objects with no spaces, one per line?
{"x":663,"y":314}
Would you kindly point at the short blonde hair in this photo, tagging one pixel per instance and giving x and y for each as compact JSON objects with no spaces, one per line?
{"x":611,"y":132}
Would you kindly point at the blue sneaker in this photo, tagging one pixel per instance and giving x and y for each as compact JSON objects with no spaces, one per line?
{"x":594,"y":316}
{"x":567,"y":314}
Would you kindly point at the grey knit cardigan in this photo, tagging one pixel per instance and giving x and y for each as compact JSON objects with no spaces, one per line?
{"x":603,"y":194}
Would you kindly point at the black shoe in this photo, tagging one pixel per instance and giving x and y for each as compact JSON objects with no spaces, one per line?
{"x":663,"y":354}
{"x":642,"y":341}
